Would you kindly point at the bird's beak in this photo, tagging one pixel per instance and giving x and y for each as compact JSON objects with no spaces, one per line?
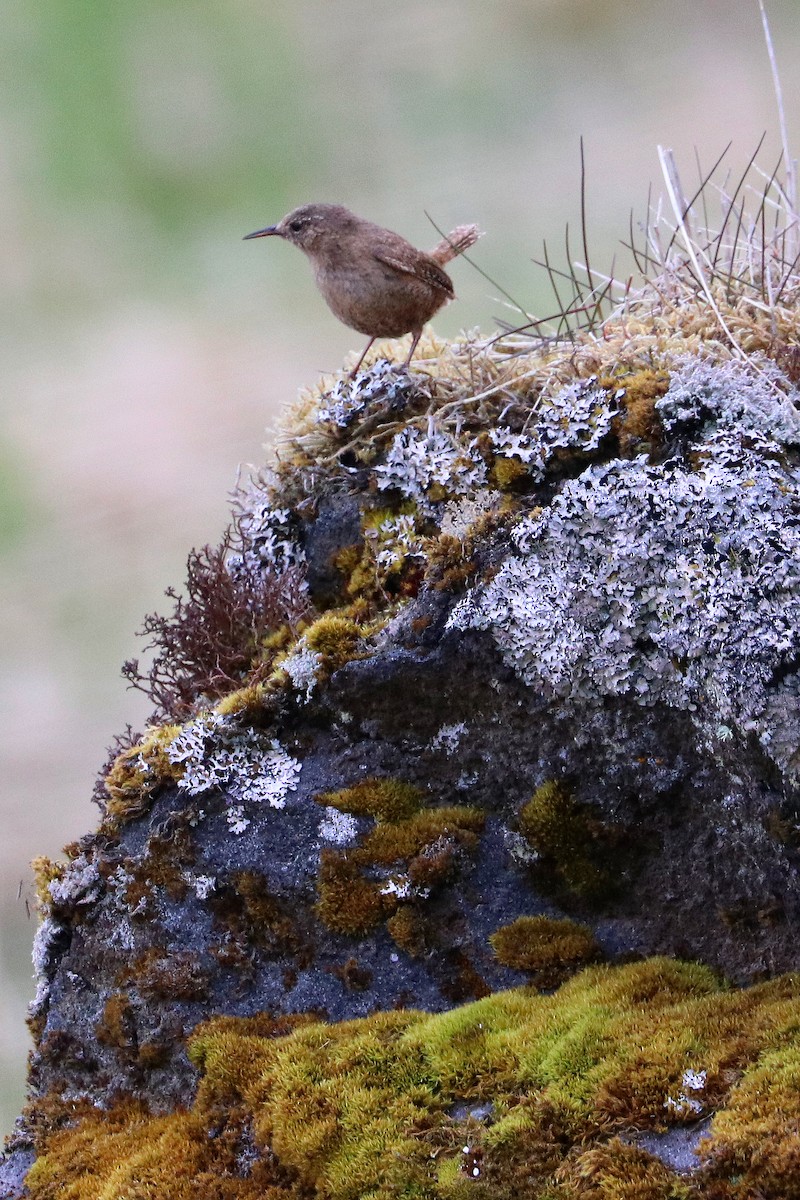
{"x":270,"y":231}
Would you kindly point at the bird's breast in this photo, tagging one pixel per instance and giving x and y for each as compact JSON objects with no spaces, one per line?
{"x":375,"y":299}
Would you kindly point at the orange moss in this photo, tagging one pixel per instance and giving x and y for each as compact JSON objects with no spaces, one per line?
{"x":117,"y":1026}
{"x":253,"y":916}
{"x":448,"y":563}
{"x":408,"y":930}
{"x":167,"y":974}
{"x":618,"y":1170}
{"x":348,"y":903}
{"x":548,"y":948}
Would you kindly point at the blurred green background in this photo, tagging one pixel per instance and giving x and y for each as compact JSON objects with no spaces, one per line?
{"x":146,"y":349}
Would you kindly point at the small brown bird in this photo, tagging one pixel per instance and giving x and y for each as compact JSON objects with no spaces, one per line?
{"x":372,"y":279}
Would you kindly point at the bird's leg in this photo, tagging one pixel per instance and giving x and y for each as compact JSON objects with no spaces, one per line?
{"x":357,"y":367}
{"x":414,"y":342}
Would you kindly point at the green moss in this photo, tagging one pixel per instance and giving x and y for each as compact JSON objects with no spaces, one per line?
{"x":425,"y":841}
{"x":362,"y":1110}
{"x":547,"y":947}
{"x":335,"y":638}
{"x":569,"y":841}
{"x":252,"y":698}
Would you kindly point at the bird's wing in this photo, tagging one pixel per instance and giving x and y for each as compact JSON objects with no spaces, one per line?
{"x":420,"y":266}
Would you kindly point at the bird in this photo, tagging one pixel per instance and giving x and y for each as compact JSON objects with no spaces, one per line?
{"x":371,"y":278}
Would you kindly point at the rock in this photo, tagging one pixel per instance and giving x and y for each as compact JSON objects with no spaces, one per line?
{"x":545,"y":665}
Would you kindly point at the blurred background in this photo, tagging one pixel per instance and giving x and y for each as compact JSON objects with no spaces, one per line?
{"x":146,"y":349}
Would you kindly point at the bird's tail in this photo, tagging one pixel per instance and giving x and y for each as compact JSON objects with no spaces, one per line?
{"x":462,"y":237}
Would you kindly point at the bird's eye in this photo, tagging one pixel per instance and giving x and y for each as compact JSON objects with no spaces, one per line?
{"x":295,"y":226}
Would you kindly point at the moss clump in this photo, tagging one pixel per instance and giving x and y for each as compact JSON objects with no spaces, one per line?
{"x":136,"y":1156}
{"x":45,"y":871}
{"x":509,"y":474}
{"x":547,"y":947}
{"x":251,"y":916}
{"x":363,"y":1108}
{"x":638,"y":426}
{"x":409,"y":851}
{"x":382,"y":799}
{"x":117,"y":1026}
{"x":136,"y":773}
{"x":618,"y":1170}
{"x":335,"y":638}
{"x":754,"y":1150}
{"x":567,"y":839}
{"x":252,"y":698}
{"x":408,"y":930}
{"x":348,"y":903}
{"x":164,"y":974}
{"x":449,"y":566}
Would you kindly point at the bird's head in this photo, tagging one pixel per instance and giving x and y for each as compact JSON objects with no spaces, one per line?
{"x":311,"y":226}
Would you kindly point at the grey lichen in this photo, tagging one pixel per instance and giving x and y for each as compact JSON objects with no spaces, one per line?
{"x":675,"y":583}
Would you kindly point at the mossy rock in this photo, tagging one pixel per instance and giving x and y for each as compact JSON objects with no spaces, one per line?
{"x":517,"y":1095}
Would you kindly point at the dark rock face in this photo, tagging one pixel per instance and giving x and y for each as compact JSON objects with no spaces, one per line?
{"x":684,"y":863}
{"x":349,"y":841}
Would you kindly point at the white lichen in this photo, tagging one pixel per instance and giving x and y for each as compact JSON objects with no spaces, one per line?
{"x":462,"y":514}
{"x":400,"y":887}
{"x":268,"y":540}
{"x":416,"y":461}
{"x":338,"y":828}
{"x":216,"y":752}
{"x":577,"y":417}
{"x":45,"y":941}
{"x":202,"y":885}
{"x":448,"y":737}
{"x":349,"y":399}
{"x":302,"y":666}
{"x":237,"y":821}
{"x":694,"y":1081}
{"x":752,"y":397}
{"x":394,"y":541}
{"x":80,"y":883}
{"x":684,"y":1104}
